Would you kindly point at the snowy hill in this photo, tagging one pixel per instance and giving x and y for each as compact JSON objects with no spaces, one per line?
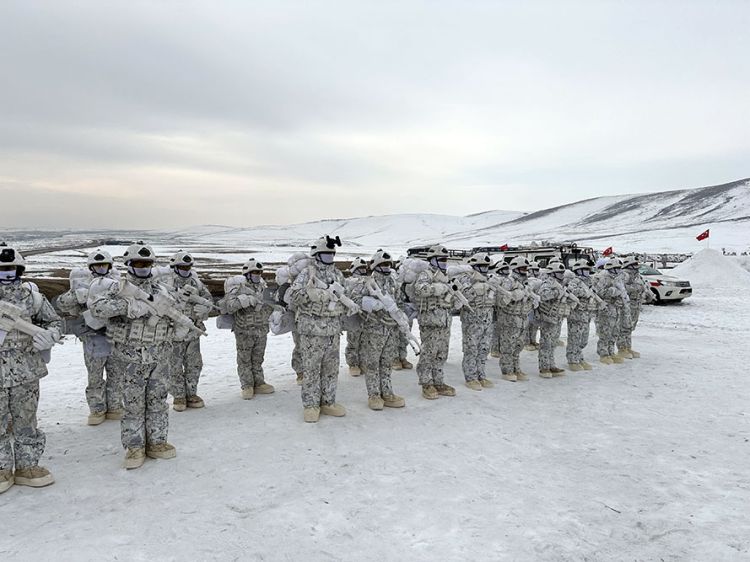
{"x":666,"y":221}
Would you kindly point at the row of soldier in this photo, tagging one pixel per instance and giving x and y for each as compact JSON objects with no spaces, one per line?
{"x":141,"y":333}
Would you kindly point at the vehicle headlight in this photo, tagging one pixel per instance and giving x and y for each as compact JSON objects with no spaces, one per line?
{"x":670,"y":284}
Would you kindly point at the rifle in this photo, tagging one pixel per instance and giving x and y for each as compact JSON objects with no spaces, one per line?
{"x":398,"y":315}
{"x":191,"y":295}
{"x":160,"y":305}
{"x":336,"y":291}
{"x":459,"y":296}
{"x":11,"y":319}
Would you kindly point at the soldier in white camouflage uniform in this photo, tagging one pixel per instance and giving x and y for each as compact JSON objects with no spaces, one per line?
{"x":512,"y":318}
{"x":608,"y":285}
{"x":318,"y":312}
{"x":532,"y":332}
{"x":477,"y":324}
{"x":104,"y":396}
{"x":195,"y":302}
{"x":554,"y":306}
{"x":244,"y":300}
{"x":638,"y":293}
{"x":579,"y":319}
{"x":380,"y":333}
{"x":435,"y":303}
{"x":355,"y":284}
{"x":143,"y":343}
{"x":499,"y":270}
{"x":22,"y":364}
{"x":402,"y":361}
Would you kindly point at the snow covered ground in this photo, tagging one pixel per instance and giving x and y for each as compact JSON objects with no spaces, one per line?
{"x":642,"y":461}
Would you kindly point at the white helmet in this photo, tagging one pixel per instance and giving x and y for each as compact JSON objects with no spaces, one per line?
{"x":553,"y":260}
{"x":139,"y":252}
{"x":99,"y":257}
{"x":534,"y":266}
{"x":379,"y":258}
{"x":581,"y":264}
{"x":10,"y":256}
{"x":600,"y":263}
{"x":181,"y":258}
{"x":556,"y":269}
{"x":613,"y":263}
{"x":358,"y":263}
{"x":436,"y":251}
{"x":519,"y":262}
{"x":252,"y":266}
{"x":481,"y":258}
{"x":630,"y":261}
{"x":326,"y":244}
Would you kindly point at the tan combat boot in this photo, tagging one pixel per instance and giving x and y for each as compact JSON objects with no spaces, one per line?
{"x":134,"y":458}
{"x":34,"y":476}
{"x":474,"y":385}
{"x":300,"y":378}
{"x":354,"y":371}
{"x":617,"y":359}
{"x":486,"y":383}
{"x":521,"y":376}
{"x":311,"y":415}
{"x":335,"y":410}
{"x":179,"y":404}
{"x":429,"y":392}
{"x":545,"y":374}
{"x":625,"y":353}
{"x":512,"y":377}
{"x":634,"y":354}
{"x":6,"y":479}
{"x":575,"y":367}
{"x":375,"y":403}
{"x":445,"y":390}
{"x":95,"y":418}
{"x":248,"y":393}
{"x":557,"y":371}
{"x":195,"y":402}
{"x":264,"y":388}
{"x":586,"y":365}
{"x":393,"y":401}
{"x":396,"y":365}
{"x":606,"y":359}
{"x":114,"y":414}
{"x":161,"y":451}
{"x":495,"y":354}
{"x":406,"y":364}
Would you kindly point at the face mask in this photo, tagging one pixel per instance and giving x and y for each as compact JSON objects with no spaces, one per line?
{"x":584,"y":272}
{"x":184,"y":273}
{"x":100,"y":270}
{"x":441,"y":265}
{"x":522,"y":272}
{"x":614,"y":271}
{"x":559,"y":276}
{"x":383,"y":270}
{"x":361,"y":272}
{"x":483,"y":269}
{"x":326,"y":258}
{"x":255,"y":278}
{"x":140,"y":272}
{"x":7,"y":277}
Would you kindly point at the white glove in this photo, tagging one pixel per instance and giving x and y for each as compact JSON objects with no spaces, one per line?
{"x":43,"y":341}
{"x":247,"y":301}
{"x":371,"y":304}
{"x":82,"y":295}
{"x":201,"y":310}
{"x":136,"y":309}
{"x":439,"y":289}
{"x":318,"y":295}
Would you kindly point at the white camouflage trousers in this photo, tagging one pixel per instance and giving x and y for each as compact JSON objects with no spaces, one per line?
{"x":379,"y":351}
{"x":21,"y":441}
{"x":478,"y":331}
{"x":187,"y":364}
{"x":320,"y":364}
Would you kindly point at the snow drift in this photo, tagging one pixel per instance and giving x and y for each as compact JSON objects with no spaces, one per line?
{"x":709,"y":268}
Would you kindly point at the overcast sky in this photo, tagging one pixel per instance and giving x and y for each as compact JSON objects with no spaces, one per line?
{"x":151,"y":114}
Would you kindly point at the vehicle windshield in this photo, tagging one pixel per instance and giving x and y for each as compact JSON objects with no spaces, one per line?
{"x":647,"y":270}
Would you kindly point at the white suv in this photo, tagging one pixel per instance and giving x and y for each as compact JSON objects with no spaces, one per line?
{"x":664,"y":287}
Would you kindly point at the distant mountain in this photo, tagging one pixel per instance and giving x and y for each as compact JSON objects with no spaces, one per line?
{"x":665,"y":221}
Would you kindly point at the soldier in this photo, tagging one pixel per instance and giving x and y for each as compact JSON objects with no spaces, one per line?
{"x":512,"y":317}
{"x":104,"y":396}
{"x":195,"y":302}
{"x":354,"y":284}
{"x":499,"y":271}
{"x":244,"y":300}
{"x":638,"y":293}
{"x":477,"y":326}
{"x":25,"y":311}
{"x":402,"y":361}
{"x":434,"y":305}
{"x":316,"y":295}
{"x":142,"y":337}
{"x":610,"y":289}
{"x":579,"y":320}
{"x":533,"y":282}
{"x":553,"y":308}
{"x":380,"y":332}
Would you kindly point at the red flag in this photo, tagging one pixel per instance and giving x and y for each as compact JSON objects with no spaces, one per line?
{"x":504,"y":247}
{"x":703,"y":235}
{"x":608,"y":251}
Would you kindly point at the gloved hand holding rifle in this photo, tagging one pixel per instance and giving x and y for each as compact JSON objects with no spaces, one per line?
{"x":398,"y":315}
{"x":160,"y":305}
